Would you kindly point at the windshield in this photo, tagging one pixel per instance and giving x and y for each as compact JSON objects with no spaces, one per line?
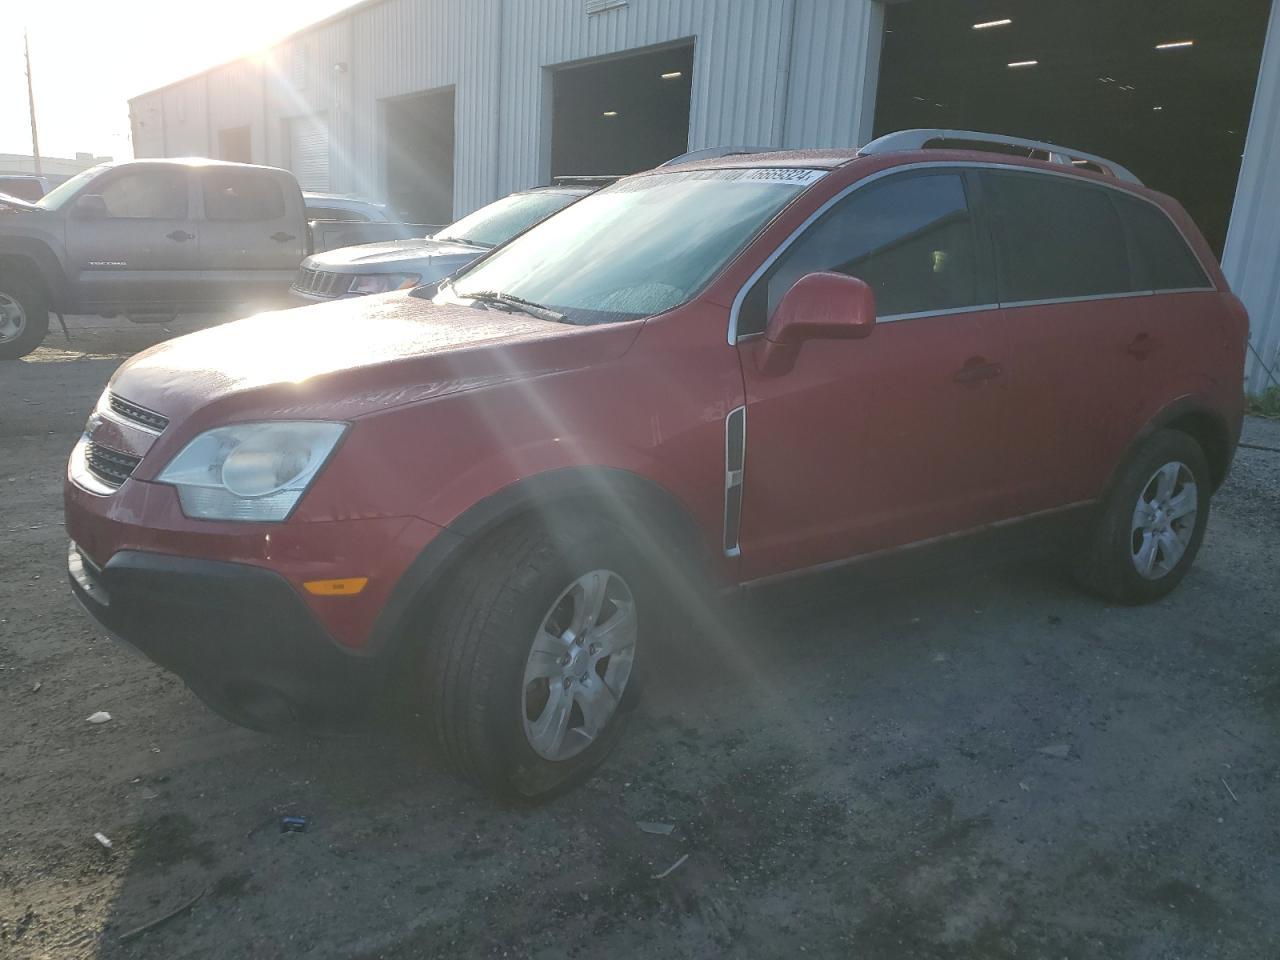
{"x":639,"y":247}
{"x":56,"y":198}
{"x":503,"y":219}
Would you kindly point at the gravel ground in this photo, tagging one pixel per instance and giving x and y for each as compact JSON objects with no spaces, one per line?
{"x":953,"y":758}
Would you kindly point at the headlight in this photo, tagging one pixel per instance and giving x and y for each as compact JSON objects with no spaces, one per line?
{"x":382,"y":282}
{"x":250,"y":471}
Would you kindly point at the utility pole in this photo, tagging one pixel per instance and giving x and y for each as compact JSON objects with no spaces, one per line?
{"x":31,"y":104}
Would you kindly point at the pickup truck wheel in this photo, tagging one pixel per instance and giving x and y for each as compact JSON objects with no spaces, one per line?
{"x":1151,"y":524}
{"x":24,"y":317}
{"x":531,"y":676}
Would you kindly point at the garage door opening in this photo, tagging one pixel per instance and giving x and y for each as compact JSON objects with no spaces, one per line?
{"x":621,"y":115}
{"x":234,"y":144}
{"x":309,"y":151}
{"x":419,"y":138}
{"x":1165,"y":89}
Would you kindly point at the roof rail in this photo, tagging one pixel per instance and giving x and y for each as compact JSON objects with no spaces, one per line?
{"x":585,"y":180}
{"x":920,"y":139}
{"x":713,"y":153}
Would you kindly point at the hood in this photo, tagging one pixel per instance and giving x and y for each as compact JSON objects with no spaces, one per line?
{"x":390,"y":253}
{"x":349,"y":358}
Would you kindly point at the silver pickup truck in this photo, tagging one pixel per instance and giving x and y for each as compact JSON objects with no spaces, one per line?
{"x":148,"y":237}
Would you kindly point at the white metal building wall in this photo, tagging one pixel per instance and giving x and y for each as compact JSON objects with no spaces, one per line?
{"x":766,"y":72}
{"x":1251,"y":259}
{"x":404,"y":47}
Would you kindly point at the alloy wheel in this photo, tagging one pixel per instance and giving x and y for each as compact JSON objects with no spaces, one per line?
{"x":13,"y":318}
{"x":579,"y":665}
{"x":1164,"y":520}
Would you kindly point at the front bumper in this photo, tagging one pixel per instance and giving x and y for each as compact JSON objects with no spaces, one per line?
{"x":240,"y":636}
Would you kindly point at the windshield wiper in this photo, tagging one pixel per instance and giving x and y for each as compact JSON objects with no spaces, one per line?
{"x":467,"y":240}
{"x":519,"y":303}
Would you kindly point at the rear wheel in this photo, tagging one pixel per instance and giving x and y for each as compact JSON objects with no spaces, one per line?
{"x":24,"y":316}
{"x":1152,"y":523}
{"x":531,"y":673}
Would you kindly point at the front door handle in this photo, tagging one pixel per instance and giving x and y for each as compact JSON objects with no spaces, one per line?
{"x":282,"y":237}
{"x":180,"y":236}
{"x":977,"y":369}
{"x":1141,"y":346}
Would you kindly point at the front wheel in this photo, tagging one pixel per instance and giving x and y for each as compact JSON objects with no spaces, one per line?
{"x":1151,"y":524}
{"x":24,"y":317}
{"x":531,"y":672}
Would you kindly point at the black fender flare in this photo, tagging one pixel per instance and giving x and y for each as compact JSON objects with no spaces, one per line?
{"x":635,"y":503}
{"x":47,"y":266}
{"x":1198,"y":418}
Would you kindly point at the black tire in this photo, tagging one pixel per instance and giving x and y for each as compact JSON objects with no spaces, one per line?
{"x":482,"y":635}
{"x":1109,"y":564}
{"x":35,"y":321}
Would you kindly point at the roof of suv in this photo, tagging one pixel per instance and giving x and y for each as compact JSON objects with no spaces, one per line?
{"x":826,"y":159}
{"x":909,"y":144}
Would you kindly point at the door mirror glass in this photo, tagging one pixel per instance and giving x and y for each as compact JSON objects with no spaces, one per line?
{"x":91,"y":207}
{"x":819,"y":306}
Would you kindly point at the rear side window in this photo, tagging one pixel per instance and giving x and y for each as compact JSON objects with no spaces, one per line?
{"x":1055,"y":238}
{"x":24,"y":188}
{"x":241,"y":195}
{"x":147,"y":195}
{"x":1163,"y":261}
{"x":911,"y":238}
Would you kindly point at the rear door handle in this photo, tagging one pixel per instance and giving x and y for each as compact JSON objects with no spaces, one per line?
{"x":1141,"y":346}
{"x":282,"y":237}
{"x":180,"y":236}
{"x":977,"y":369}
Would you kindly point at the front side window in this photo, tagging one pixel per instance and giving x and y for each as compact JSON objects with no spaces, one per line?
{"x":232,"y":194}
{"x":147,"y":195}
{"x":1055,"y":238}
{"x":910,"y":237}
{"x":501,"y":220}
{"x":639,"y":247}
{"x":56,"y":198}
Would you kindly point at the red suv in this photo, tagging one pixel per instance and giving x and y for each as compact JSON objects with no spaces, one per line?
{"x":734,"y":369}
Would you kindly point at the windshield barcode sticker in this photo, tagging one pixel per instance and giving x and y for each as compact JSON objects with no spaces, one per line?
{"x":788,"y":175}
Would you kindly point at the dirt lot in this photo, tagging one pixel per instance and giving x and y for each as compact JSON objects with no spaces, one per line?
{"x":864,"y":777}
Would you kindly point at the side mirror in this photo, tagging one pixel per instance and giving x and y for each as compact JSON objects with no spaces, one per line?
{"x":91,"y":207}
{"x":819,"y":306}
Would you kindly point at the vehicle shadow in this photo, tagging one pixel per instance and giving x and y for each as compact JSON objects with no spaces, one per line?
{"x":852,"y":762}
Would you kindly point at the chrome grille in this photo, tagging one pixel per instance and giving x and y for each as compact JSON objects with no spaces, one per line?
{"x":321,"y":283}
{"x":136,"y":414}
{"x":110,"y":466}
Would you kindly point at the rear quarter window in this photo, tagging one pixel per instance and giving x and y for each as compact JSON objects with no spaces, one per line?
{"x":1162,"y":259}
{"x":241,"y":195}
{"x":1055,"y":238}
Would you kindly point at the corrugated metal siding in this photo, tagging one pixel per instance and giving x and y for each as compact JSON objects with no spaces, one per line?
{"x":146,"y":123}
{"x":186,"y":127}
{"x":835,"y":53}
{"x":235,"y":100}
{"x":403,"y":47}
{"x":318,"y":89}
{"x":740,"y":58}
{"x":1253,"y":240}
{"x":766,"y":72}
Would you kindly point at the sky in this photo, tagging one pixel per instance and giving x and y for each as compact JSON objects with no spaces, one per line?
{"x":90,"y":56}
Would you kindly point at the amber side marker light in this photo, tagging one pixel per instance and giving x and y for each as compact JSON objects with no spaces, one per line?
{"x":347,"y":587}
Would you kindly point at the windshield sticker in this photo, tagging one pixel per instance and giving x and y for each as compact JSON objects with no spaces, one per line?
{"x":787,"y":175}
{"x":782,"y":176}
